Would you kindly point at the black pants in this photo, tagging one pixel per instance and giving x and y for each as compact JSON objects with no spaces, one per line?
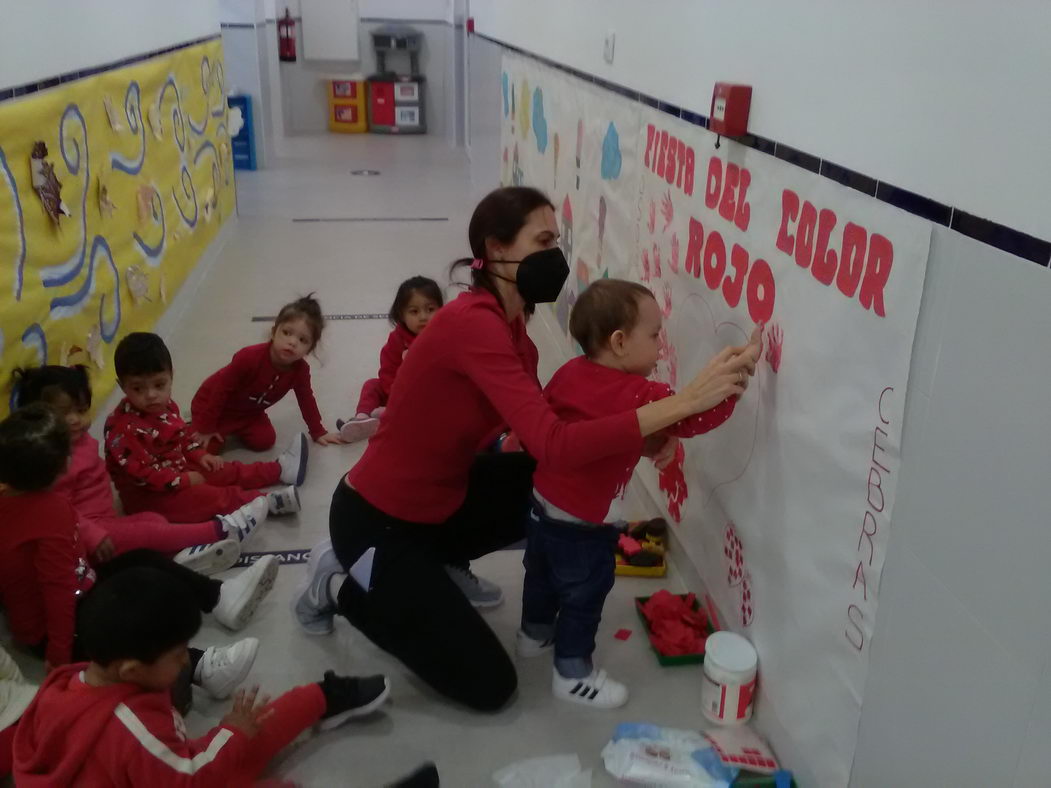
{"x":414,"y":610}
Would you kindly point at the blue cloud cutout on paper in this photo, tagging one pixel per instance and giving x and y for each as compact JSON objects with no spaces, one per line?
{"x":507,"y":105}
{"x":611,"y":158}
{"x":539,"y":121}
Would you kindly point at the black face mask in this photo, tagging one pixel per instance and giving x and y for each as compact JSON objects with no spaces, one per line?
{"x":541,"y":275}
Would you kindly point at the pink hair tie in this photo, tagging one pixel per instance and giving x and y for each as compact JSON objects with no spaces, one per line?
{"x":477,"y":264}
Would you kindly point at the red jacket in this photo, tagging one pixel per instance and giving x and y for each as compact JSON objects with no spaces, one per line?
{"x":43,"y":569}
{"x":143,"y":450}
{"x":120,"y":735}
{"x":467,"y":375}
{"x":86,"y":484}
{"x":393,"y":354}
{"x":583,"y":390}
{"x":250,"y":384}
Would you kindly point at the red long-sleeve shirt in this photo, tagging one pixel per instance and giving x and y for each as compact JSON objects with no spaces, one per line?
{"x":143,"y":450}
{"x":467,"y":375}
{"x":122,"y":735}
{"x":583,"y":390}
{"x":393,"y":353}
{"x":250,"y":384}
{"x":43,"y":569}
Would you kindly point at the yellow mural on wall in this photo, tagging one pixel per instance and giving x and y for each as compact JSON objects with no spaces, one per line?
{"x":143,"y":157}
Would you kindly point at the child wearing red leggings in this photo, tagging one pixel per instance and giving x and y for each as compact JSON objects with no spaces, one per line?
{"x":415,"y":303}
{"x":209,"y":546}
{"x":158,"y":465}
{"x":234,"y":400}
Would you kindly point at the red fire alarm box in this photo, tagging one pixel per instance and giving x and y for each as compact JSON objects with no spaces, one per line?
{"x":730,"y":103}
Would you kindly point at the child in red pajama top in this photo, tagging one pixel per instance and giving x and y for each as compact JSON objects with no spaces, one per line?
{"x":569,"y":556}
{"x":210,"y":546}
{"x":415,"y":303}
{"x":234,"y":400}
{"x":157,"y":463}
{"x":111,"y":721}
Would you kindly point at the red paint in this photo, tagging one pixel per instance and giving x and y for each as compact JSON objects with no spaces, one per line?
{"x":622,"y":634}
{"x":673,"y":484}
{"x":673,"y":262}
{"x":775,"y":338}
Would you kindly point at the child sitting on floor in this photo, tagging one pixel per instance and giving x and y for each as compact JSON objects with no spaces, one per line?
{"x":45,"y":573}
{"x":111,"y":721}
{"x":234,"y":400}
{"x":159,"y":466}
{"x":569,"y":557}
{"x":208,"y":547}
{"x":414,"y":305}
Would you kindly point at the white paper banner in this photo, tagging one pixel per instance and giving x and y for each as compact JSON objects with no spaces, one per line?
{"x":786,"y":508}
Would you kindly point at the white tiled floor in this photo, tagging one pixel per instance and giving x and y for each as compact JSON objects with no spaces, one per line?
{"x":355,"y":267}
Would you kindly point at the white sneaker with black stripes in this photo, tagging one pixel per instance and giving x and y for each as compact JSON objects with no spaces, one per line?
{"x":598,"y":690}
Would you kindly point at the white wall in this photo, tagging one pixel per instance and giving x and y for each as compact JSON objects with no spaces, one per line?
{"x":45,"y":38}
{"x":429,"y":10}
{"x":949,"y":100}
{"x":959,"y":683}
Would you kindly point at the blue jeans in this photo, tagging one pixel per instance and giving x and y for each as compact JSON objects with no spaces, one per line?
{"x":569,"y":571}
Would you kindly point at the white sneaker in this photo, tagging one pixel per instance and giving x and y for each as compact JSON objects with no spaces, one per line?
{"x":208,"y":559}
{"x":358,"y":429}
{"x":239,"y":525}
{"x":598,"y":690}
{"x":312,"y":604}
{"x":378,"y":413}
{"x":527,"y":647}
{"x":284,"y":501}
{"x":222,"y":669}
{"x":293,"y":461}
{"x":239,"y":597}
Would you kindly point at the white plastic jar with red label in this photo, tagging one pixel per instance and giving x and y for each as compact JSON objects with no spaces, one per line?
{"x":730,"y":668}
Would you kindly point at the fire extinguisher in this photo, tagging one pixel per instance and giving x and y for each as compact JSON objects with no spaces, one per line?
{"x":286,"y":38}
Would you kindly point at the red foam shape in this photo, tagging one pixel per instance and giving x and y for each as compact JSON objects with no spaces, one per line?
{"x":622,"y":634}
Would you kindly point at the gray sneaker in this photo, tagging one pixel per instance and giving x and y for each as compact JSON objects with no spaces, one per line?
{"x":479,"y":591}
{"x":312,"y":604}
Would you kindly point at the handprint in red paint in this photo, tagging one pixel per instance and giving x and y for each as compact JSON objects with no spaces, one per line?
{"x":733,"y":551}
{"x":656,"y":261}
{"x":645,"y":266}
{"x":775,"y":340}
{"x":667,"y":210}
{"x":673,"y":484}
{"x":652,"y":224}
{"x":747,"y":609}
{"x":669,"y":372}
{"x":673,"y":262}
{"x":666,"y":306}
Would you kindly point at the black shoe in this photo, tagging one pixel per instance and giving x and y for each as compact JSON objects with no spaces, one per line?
{"x":348,"y":696}
{"x":424,"y":777}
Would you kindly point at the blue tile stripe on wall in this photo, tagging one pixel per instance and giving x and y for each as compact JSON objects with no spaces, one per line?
{"x":1000,"y":236}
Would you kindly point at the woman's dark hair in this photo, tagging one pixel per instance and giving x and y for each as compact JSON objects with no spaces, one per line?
{"x":305,"y":308}
{"x":499,"y":216}
{"x":137,"y":613}
{"x":42,"y":384}
{"x":34,"y":448}
{"x":428,"y":288}
{"x":607,"y":306}
{"x":141,"y":353}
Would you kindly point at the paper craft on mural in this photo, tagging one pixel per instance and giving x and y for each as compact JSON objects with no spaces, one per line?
{"x":771,"y":505}
{"x":68,"y":293}
{"x":46,"y":183}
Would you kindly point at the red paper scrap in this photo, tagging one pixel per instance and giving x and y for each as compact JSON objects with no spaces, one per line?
{"x":622,"y":634}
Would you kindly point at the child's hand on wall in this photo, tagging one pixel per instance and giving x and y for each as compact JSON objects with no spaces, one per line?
{"x":661,"y":448}
{"x":329,"y":439}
